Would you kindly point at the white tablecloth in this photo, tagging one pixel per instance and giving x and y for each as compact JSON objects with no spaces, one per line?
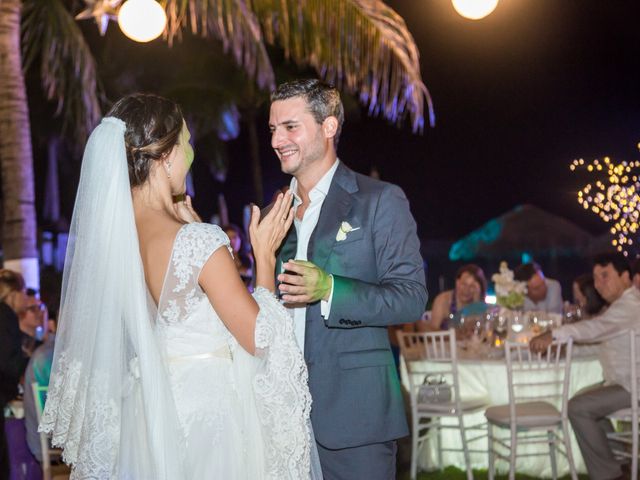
{"x":489,"y":378}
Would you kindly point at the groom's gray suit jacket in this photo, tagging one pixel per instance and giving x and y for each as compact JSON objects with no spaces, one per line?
{"x":378,"y":281}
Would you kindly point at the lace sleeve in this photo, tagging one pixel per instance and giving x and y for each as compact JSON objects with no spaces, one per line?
{"x":196,"y":242}
{"x":282,"y":395}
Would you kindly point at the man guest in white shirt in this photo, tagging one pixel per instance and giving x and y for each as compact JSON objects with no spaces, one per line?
{"x":589,"y":408}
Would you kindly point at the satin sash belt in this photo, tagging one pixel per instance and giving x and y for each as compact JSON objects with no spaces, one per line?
{"x":222,"y":352}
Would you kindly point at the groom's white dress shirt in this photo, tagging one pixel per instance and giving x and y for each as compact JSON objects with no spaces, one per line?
{"x":304,"y":229}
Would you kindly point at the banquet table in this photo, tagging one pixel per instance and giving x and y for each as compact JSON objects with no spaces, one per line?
{"x":480,"y":376}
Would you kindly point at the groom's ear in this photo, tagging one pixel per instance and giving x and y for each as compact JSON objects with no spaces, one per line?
{"x":330,"y":127}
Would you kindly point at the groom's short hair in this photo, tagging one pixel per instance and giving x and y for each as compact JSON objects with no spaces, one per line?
{"x":323,"y":100}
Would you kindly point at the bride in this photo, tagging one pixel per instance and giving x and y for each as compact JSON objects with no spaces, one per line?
{"x":165,"y":366}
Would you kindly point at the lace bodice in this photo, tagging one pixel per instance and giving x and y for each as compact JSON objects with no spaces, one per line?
{"x":186,"y":322}
{"x":191,"y":330}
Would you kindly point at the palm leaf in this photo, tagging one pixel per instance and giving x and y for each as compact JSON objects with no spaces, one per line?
{"x":67,"y":67}
{"x":362,"y":46}
{"x":232,"y":22}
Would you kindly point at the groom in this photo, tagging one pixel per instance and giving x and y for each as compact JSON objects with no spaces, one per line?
{"x":357,"y":270}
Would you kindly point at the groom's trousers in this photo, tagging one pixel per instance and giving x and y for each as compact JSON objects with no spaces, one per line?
{"x":372,"y":462}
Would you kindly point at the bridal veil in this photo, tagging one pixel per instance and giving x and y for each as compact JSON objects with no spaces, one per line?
{"x":105,"y":338}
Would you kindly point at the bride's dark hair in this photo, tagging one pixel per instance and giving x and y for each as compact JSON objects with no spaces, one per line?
{"x":153,"y":124}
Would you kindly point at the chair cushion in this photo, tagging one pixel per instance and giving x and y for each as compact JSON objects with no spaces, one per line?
{"x":528,"y":414}
{"x":468,"y":405}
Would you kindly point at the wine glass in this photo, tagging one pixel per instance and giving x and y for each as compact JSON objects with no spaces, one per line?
{"x":517,"y":322}
{"x":571,"y":313}
{"x":463,"y":329}
{"x":500,"y":325}
{"x":537,"y":322}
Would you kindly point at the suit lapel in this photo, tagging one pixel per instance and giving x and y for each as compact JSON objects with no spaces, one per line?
{"x":335,"y":209}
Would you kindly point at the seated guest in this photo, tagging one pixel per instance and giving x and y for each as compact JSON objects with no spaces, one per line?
{"x":635,"y":272}
{"x":543,"y":294}
{"x":589,"y":408}
{"x":467,"y":298}
{"x":242,"y":258}
{"x":38,"y":371}
{"x":32,"y":323}
{"x":586,"y":297}
{"x":12,"y":360}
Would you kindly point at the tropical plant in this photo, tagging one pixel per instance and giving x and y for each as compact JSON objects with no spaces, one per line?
{"x":361,"y":46}
{"x":52,"y":41}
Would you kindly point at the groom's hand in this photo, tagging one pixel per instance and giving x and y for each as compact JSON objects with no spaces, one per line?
{"x":307,"y":283}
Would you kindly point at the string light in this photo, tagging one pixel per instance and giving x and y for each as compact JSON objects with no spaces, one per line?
{"x":614,"y":197}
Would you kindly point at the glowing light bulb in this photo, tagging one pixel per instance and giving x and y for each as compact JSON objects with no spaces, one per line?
{"x":474,"y":9}
{"x":142,"y":20}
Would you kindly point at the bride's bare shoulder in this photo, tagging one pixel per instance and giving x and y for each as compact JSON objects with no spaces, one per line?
{"x":156,"y":238}
{"x":157,"y":234}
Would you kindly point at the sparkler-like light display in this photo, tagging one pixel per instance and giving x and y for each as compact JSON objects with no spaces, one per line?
{"x":614,"y":197}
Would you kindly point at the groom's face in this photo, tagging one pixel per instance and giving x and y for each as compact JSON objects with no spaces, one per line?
{"x":296,"y":137}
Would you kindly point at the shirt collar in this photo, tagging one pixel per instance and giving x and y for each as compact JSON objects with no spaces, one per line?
{"x":321,"y":189}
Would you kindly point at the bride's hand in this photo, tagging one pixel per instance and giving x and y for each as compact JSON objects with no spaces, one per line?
{"x":267,"y":234}
{"x":185,"y":212}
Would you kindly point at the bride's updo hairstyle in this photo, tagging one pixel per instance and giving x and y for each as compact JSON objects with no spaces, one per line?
{"x":153,"y":124}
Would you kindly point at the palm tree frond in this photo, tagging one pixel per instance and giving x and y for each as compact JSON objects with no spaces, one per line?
{"x":67,"y":67}
{"x":362,"y":46}
{"x":233,"y":23}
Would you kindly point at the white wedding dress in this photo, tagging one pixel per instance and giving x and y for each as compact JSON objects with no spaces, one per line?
{"x":219,"y":416}
{"x":145,"y":393}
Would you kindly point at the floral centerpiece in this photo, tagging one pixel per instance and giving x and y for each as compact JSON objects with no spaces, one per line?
{"x":509,"y":292}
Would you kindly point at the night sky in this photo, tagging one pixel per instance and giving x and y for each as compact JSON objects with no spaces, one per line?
{"x":517,"y":95}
